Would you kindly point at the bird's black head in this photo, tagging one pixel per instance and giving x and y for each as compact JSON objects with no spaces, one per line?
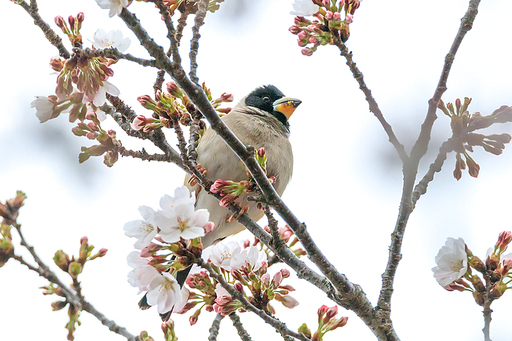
{"x":264,"y":97}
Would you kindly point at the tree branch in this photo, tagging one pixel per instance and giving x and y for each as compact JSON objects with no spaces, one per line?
{"x":374,"y":107}
{"x":71,"y":297}
{"x":52,"y":37}
{"x":194,"y":43}
{"x":214,"y":330}
{"x":410,"y":170}
{"x":349,"y":295}
{"x":244,"y":335}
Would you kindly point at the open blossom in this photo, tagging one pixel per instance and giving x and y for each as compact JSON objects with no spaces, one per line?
{"x":221,"y":254}
{"x":144,"y":230}
{"x":44,"y":108}
{"x":115,"y":6}
{"x":165,"y":292}
{"x":103,"y":40}
{"x":452,"y":262}
{"x":142,"y":273}
{"x":304,"y":8}
{"x":101,"y":95}
{"x":251,"y":255}
{"x":178,"y":217}
{"x":220,"y":291}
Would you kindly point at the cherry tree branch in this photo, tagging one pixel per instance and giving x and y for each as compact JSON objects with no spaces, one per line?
{"x":346,"y":293}
{"x":194,"y":43}
{"x":374,"y":107}
{"x":71,"y":296}
{"x":214,"y":330}
{"x":411,"y":168}
{"x":244,"y":335}
{"x":52,"y":37}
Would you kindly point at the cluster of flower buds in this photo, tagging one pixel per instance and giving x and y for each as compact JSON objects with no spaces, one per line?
{"x":464,"y":139}
{"x":326,"y":323}
{"x":9,"y":210}
{"x":230,"y":190}
{"x":109,"y":145}
{"x":73,"y":30}
{"x":496,"y":270}
{"x":333,"y":18}
{"x":168,"y":329}
{"x":144,"y":336}
{"x":74,"y":266}
{"x":288,"y":236}
{"x":6,"y":246}
{"x":174,"y":106}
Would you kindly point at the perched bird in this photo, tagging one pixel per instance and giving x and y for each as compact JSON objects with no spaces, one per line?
{"x":261,"y":120}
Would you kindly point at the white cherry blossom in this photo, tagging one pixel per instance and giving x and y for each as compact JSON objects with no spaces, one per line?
{"x":103,"y":40}
{"x":144,"y":230}
{"x":452,"y":262}
{"x":304,"y":8}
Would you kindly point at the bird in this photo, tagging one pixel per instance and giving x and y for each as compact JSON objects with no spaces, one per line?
{"x":260,"y":120}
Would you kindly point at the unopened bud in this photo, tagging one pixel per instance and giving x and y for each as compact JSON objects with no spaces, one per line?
{"x":61,"y":259}
{"x":74,"y":269}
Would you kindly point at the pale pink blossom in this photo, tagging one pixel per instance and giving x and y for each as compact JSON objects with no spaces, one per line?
{"x":115,"y":6}
{"x":165,"y":293}
{"x":103,"y":40}
{"x":251,"y":255}
{"x":452,"y":262}
{"x":221,"y":253}
{"x":304,"y":8}
{"x":144,"y":230}
{"x":178,"y":217}
{"x":142,"y":273}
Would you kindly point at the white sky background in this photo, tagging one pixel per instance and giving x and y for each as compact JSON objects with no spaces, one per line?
{"x":347,"y":177}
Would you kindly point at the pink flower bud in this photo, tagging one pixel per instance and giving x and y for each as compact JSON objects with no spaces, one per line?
{"x":84,"y":240}
{"x":336,"y":16}
{"x":209,"y":227}
{"x":307,"y":51}
{"x":208,"y":308}
{"x":265,"y":280}
{"x":93,"y":126}
{"x":302,"y":35}
{"x":219,"y":185}
{"x":138,"y":123}
{"x":294,"y":29}
{"x":285,"y":273}
{"x":80,"y":17}
{"x":328,"y":15}
{"x":504,"y":239}
{"x":247,"y":243}
{"x":349,"y":18}
{"x":313,"y":40}
{"x":330,"y":313}
{"x":226,"y":200}
{"x":278,"y":278}
{"x":239,"y":287}
{"x":507,"y":265}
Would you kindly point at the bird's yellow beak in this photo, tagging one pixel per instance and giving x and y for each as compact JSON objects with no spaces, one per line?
{"x":286,"y":106}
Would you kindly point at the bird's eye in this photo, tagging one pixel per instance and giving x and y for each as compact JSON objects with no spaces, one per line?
{"x":266,"y":99}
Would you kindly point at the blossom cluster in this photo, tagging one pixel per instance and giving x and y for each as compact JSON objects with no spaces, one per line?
{"x":174,"y":106}
{"x":333,"y":18}
{"x":82,"y":81}
{"x":160,"y":235}
{"x":455,"y":263}
{"x":326,"y":323}
{"x":245,"y":269}
{"x":463,"y":139}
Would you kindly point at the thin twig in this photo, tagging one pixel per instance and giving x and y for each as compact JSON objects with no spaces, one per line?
{"x":244,"y":335}
{"x":52,"y":37}
{"x":112,"y":52}
{"x":182,"y":22}
{"x":374,"y":107}
{"x":72,"y":297}
{"x":435,"y":167}
{"x":194,"y":43}
{"x":214,"y":330}
{"x":383,"y":308}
